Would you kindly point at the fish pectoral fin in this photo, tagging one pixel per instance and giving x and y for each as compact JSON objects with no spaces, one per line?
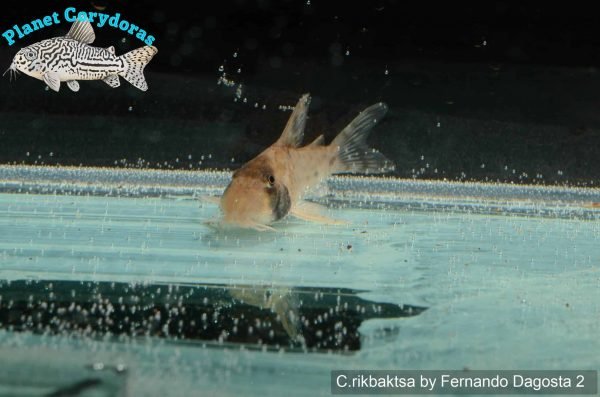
{"x":217,"y":224}
{"x":82,"y":31}
{"x":73,"y":85}
{"x":52,"y":80}
{"x":313,"y":212}
{"x":112,"y":81}
{"x":262,"y":228}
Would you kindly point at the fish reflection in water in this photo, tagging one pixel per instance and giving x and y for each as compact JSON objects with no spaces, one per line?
{"x":265,"y":317}
{"x":280,"y":301}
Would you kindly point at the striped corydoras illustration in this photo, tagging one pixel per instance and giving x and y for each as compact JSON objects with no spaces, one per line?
{"x":70,"y":58}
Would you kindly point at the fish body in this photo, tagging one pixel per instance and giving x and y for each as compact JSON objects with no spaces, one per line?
{"x":71,"y":58}
{"x":272,"y":185}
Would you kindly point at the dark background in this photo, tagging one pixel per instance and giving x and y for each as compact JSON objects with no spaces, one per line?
{"x":477,"y":91}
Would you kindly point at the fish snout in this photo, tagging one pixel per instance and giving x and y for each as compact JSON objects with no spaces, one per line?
{"x":245,"y":207}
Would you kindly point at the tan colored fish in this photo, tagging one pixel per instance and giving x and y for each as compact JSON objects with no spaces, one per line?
{"x":272,"y":185}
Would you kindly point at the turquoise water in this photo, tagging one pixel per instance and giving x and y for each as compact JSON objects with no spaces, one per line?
{"x":500,"y":276}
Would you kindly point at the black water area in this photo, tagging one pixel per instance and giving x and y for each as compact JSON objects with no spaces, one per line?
{"x":256,"y":317}
{"x":488,"y":91}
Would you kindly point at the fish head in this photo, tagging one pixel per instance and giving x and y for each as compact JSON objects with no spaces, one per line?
{"x":28,"y":60}
{"x":255,"y":197}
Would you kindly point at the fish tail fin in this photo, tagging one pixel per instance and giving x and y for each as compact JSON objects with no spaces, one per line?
{"x":135,"y":62}
{"x":353,"y":154}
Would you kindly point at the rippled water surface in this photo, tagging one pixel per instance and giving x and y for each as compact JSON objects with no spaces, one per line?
{"x":111,"y":281}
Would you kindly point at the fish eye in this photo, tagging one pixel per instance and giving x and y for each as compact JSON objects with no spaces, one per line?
{"x":30,"y":55}
{"x":271,"y":180}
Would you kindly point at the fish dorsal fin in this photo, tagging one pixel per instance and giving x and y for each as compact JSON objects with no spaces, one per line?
{"x":82,"y":31}
{"x":111,"y":49}
{"x":294,"y":129}
{"x":319,"y":141}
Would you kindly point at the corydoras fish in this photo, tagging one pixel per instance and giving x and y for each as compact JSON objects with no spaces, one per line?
{"x":272,"y":185}
{"x":70,"y":58}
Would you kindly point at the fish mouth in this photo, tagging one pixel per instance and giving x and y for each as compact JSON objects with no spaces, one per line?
{"x":13,"y":72}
